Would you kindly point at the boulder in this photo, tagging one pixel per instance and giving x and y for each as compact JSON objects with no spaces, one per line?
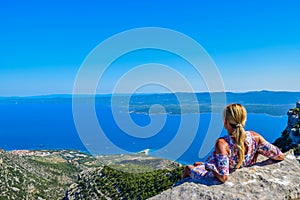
{"x":290,"y":137}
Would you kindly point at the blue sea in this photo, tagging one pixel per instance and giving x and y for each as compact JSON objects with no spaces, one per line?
{"x":50,"y":125}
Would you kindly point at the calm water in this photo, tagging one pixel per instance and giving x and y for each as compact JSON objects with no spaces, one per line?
{"x":51,"y":126}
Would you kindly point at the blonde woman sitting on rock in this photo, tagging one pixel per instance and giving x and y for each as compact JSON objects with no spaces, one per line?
{"x":239,"y":148}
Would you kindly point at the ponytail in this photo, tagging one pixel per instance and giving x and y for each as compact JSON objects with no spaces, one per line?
{"x":239,"y":136}
{"x":236,"y":114}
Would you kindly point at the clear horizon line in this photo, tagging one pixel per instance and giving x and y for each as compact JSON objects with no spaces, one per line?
{"x":144,"y":93}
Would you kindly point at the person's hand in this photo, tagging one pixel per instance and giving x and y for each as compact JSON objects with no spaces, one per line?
{"x":197,"y":163}
{"x":254,"y":158}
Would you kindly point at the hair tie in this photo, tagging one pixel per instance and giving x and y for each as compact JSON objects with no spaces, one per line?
{"x":238,"y":125}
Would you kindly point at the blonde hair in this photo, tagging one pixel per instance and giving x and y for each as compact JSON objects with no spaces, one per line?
{"x":236,"y":116}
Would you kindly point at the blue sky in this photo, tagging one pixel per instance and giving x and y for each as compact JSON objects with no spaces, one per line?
{"x":255,"y":44}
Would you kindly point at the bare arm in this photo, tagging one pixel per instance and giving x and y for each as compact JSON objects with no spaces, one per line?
{"x":221,"y":148}
{"x":260,"y":140}
{"x":221,"y":178}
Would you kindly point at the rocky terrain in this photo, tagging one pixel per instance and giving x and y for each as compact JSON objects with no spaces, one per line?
{"x":54,"y":175}
{"x":39,"y":174}
{"x":126,"y":177}
{"x":265,"y":180}
{"x":68,"y":174}
{"x":290,"y":137}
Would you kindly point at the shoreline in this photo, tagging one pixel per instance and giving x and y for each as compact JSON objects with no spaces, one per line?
{"x":48,"y":152}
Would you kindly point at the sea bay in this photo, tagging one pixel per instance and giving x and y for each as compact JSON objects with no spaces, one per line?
{"x":44,"y":125}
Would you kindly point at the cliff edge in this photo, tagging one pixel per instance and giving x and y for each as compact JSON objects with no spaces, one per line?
{"x":265,"y":180}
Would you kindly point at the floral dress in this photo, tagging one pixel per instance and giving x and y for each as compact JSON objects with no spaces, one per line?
{"x":223,"y":164}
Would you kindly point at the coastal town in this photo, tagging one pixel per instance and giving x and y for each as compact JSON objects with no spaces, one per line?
{"x":80,"y":159}
{"x":43,"y":153}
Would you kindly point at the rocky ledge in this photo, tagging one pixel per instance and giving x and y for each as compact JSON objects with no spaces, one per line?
{"x":265,"y":180}
{"x":290,"y":137}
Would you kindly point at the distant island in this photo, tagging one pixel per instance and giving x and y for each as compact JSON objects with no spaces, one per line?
{"x":274,"y":103}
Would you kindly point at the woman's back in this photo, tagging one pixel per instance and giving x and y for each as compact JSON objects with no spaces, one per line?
{"x":237,"y":149}
{"x":251,"y":149}
{"x":254,"y":145}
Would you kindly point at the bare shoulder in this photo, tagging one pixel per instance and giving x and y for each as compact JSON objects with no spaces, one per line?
{"x":222,"y":146}
{"x":259,"y":139}
{"x":255,"y":134}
